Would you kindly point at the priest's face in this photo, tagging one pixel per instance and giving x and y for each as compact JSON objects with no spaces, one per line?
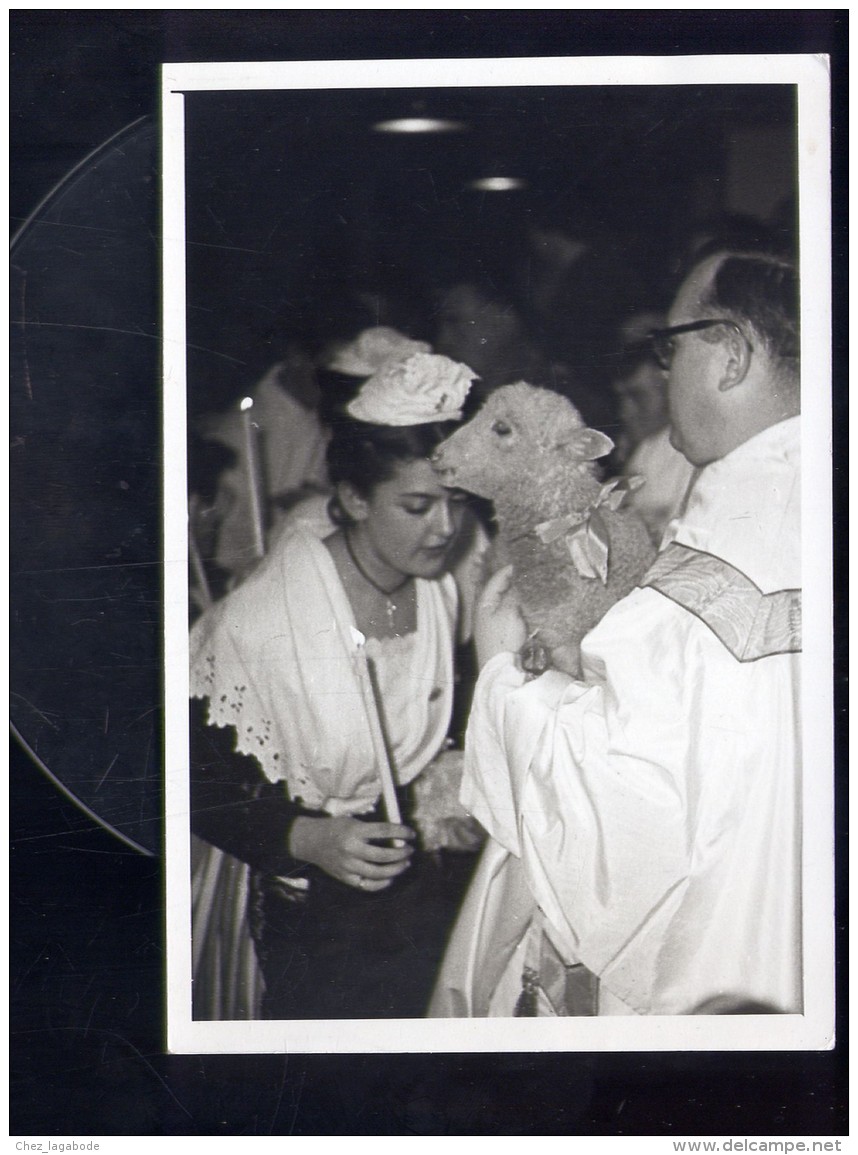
{"x":694,"y":399}
{"x":410,"y":522}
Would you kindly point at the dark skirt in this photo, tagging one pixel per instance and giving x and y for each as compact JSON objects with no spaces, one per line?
{"x":334,"y":952}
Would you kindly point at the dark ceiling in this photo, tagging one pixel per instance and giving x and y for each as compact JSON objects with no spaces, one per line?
{"x":269,"y":153}
{"x":293,"y":198}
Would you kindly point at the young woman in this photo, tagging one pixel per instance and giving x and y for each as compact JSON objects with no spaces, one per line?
{"x":348,"y":917}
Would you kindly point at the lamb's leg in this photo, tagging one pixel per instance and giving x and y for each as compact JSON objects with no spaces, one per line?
{"x":534,"y":656}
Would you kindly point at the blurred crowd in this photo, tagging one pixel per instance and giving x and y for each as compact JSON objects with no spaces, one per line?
{"x":568,"y":311}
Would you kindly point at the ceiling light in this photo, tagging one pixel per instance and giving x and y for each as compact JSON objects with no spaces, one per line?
{"x":498,"y":184}
{"x":419,"y":124}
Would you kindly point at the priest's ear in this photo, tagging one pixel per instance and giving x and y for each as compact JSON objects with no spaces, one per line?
{"x":351,"y":502}
{"x":737,"y":352}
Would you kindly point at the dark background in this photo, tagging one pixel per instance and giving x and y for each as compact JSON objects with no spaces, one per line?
{"x":86,"y":908}
{"x":293,"y":199}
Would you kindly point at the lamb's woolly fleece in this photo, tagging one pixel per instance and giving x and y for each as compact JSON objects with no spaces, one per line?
{"x":529,"y":451}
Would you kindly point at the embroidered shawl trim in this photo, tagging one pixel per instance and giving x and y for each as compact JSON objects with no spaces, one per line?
{"x":751,"y":624}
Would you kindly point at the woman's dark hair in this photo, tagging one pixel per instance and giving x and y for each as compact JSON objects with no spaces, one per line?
{"x":365,"y":455}
{"x":763,"y":289}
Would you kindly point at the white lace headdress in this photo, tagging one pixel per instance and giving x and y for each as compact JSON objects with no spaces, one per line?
{"x":424,"y":387}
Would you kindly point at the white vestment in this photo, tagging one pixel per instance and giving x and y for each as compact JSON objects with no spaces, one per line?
{"x":652,"y":808}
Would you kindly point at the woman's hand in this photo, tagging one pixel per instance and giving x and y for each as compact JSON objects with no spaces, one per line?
{"x":344,"y":848}
{"x":498,"y":624}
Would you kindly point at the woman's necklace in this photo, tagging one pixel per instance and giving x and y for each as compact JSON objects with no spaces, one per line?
{"x":390,"y":604}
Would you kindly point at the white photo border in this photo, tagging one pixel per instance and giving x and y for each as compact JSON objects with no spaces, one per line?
{"x":812,"y":1030}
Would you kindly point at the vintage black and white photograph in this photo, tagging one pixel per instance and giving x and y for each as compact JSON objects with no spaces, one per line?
{"x":483,"y":383}
{"x":419,"y":388}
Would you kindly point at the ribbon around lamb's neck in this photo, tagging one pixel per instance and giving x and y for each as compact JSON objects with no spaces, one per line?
{"x":585,"y":531}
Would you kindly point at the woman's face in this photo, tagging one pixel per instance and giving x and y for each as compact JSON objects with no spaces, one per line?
{"x":410,"y":522}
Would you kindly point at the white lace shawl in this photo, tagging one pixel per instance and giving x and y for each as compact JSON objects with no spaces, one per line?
{"x":276,"y":660}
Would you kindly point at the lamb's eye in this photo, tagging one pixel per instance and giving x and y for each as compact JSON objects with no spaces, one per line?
{"x":501,"y":428}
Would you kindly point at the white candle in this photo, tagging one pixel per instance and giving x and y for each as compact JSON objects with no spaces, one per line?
{"x":369,"y":688}
{"x":254,"y":479}
{"x":196,"y":558}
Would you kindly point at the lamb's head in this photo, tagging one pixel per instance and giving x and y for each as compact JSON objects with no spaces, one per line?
{"x":522,"y":433}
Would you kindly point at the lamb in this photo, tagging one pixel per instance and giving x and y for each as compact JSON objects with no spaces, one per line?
{"x":574,"y":552}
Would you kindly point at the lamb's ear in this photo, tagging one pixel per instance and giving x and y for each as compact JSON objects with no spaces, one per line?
{"x":587,"y":444}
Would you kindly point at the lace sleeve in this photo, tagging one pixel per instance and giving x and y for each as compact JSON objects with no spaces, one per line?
{"x":233,"y":805}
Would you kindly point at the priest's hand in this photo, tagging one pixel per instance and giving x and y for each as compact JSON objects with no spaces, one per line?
{"x":348,"y":850}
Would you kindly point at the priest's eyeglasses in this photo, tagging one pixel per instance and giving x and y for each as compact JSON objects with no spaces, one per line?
{"x":663,"y":341}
